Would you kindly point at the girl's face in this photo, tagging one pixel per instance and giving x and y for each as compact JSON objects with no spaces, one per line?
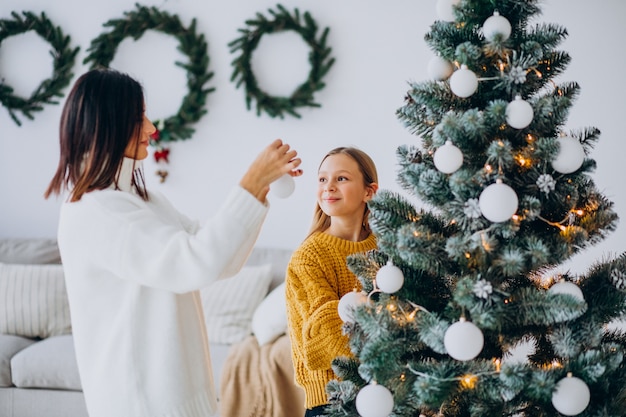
{"x":137,"y":148}
{"x":341,"y":191}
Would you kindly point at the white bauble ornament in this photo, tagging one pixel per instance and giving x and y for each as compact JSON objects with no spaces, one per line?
{"x":463,"y":340}
{"x":389,"y":278}
{"x":448,"y":158}
{"x":519,"y":113}
{"x":570,"y":157}
{"x":567,"y":287}
{"x":440,"y":68}
{"x":496,"y":24}
{"x":498,"y":202}
{"x":374,"y":401}
{"x":445,"y":9}
{"x":571,"y":396}
{"x":348,"y":302}
{"x":283,"y":187}
{"x":463,"y":82}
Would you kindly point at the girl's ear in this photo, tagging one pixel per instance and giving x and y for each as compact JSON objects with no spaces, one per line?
{"x":370,"y":191}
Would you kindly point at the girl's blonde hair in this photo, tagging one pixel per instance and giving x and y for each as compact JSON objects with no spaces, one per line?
{"x":321,"y":221}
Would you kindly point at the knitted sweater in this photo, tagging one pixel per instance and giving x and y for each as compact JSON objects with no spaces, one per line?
{"x":317,"y":277}
{"x":133,"y":269}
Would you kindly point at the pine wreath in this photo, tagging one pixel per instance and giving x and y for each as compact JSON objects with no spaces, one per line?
{"x":63,"y":61}
{"x":135,"y":24}
{"x":319,"y":58}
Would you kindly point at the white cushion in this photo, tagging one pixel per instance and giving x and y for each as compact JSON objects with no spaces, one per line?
{"x":50,"y":363}
{"x":10,"y":345}
{"x":34,"y":300}
{"x":229,"y":303}
{"x":270,"y":318}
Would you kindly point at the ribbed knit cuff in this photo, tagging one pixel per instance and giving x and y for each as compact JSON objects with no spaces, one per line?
{"x":250,"y":211}
{"x":315,"y":389}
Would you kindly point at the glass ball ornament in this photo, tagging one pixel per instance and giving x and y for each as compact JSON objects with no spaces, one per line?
{"x":519,"y":113}
{"x":445,"y":9}
{"x":567,"y":287}
{"x":284,"y":186}
{"x":440,"y":68}
{"x":463,"y":340}
{"x":571,"y":396}
{"x":463,"y":82}
{"x":496,"y":25}
{"x":348,"y":303}
{"x":448,"y":158}
{"x":498,"y":202}
{"x":570,"y":157}
{"x":389,"y":278}
{"x":374,"y":400}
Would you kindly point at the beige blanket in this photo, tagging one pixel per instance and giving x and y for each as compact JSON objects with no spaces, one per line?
{"x":259,"y":382}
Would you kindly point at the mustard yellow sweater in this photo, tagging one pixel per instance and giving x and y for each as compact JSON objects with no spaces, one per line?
{"x":317,"y":277}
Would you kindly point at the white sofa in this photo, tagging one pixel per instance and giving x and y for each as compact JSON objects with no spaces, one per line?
{"x":39,"y":376}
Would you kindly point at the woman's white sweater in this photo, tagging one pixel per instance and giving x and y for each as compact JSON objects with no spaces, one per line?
{"x":133,"y":269}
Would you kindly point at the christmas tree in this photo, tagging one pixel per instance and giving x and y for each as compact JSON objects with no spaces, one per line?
{"x":453,"y":291}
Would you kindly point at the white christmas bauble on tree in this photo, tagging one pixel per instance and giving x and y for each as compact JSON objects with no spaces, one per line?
{"x":374,"y":401}
{"x":440,"y":68}
{"x":445,"y":9}
{"x":498,"y":202}
{"x":389,"y":278}
{"x":519,"y":113}
{"x":570,"y":157}
{"x":448,"y":158}
{"x":571,"y":396}
{"x":463,"y":82}
{"x":567,"y":287}
{"x":496,"y":24}
{"x":284,"y":186}
{"x":463,"y":340}
{"x":348,"y":303}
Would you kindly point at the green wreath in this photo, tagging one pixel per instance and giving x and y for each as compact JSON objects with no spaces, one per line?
{"x":318,"y":58}
{"x":103,"y":48}
{"x":63,"y":61}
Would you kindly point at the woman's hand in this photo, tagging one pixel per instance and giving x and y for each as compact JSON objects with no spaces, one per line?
{"x":274,"y":161}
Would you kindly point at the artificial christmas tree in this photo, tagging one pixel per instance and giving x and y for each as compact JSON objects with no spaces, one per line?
{"x":452,"y":292}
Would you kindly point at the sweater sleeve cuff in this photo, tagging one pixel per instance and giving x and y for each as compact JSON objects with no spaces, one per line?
{"x":246,"y":208}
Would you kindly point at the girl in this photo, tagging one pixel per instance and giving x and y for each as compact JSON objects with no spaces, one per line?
{"x":318,"y":276}
{"x":133,"y":264}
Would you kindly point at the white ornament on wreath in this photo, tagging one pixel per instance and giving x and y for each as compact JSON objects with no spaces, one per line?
{"x":496,"y":25}
{"x":519,"y":113}
{"x":463,"y":82}
{"x":572,"y":396}
{"x":498,"y":202}
{"x":440,"y":68}
{"x":389,"y":278}
{"x":567,"y":287}
{"x":284,"y":186}
{"x":445,"y":9}
{"x":374,"y":400}
{"x":448,"y":158}
{"x":348,"y":303}
{"x":463,"y":340}
{"x":570,"y":157}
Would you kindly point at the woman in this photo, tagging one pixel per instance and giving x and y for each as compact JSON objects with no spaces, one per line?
{"x":133,"y":264}
{"x":318,"y":276}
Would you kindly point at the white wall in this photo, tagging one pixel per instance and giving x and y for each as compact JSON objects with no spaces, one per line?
{"x":378,"y":47}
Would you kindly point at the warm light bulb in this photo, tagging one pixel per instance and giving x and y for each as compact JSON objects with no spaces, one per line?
{"x":469,"y":381}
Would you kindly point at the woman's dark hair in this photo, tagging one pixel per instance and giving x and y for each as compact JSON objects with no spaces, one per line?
{"x":103,"y":112}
